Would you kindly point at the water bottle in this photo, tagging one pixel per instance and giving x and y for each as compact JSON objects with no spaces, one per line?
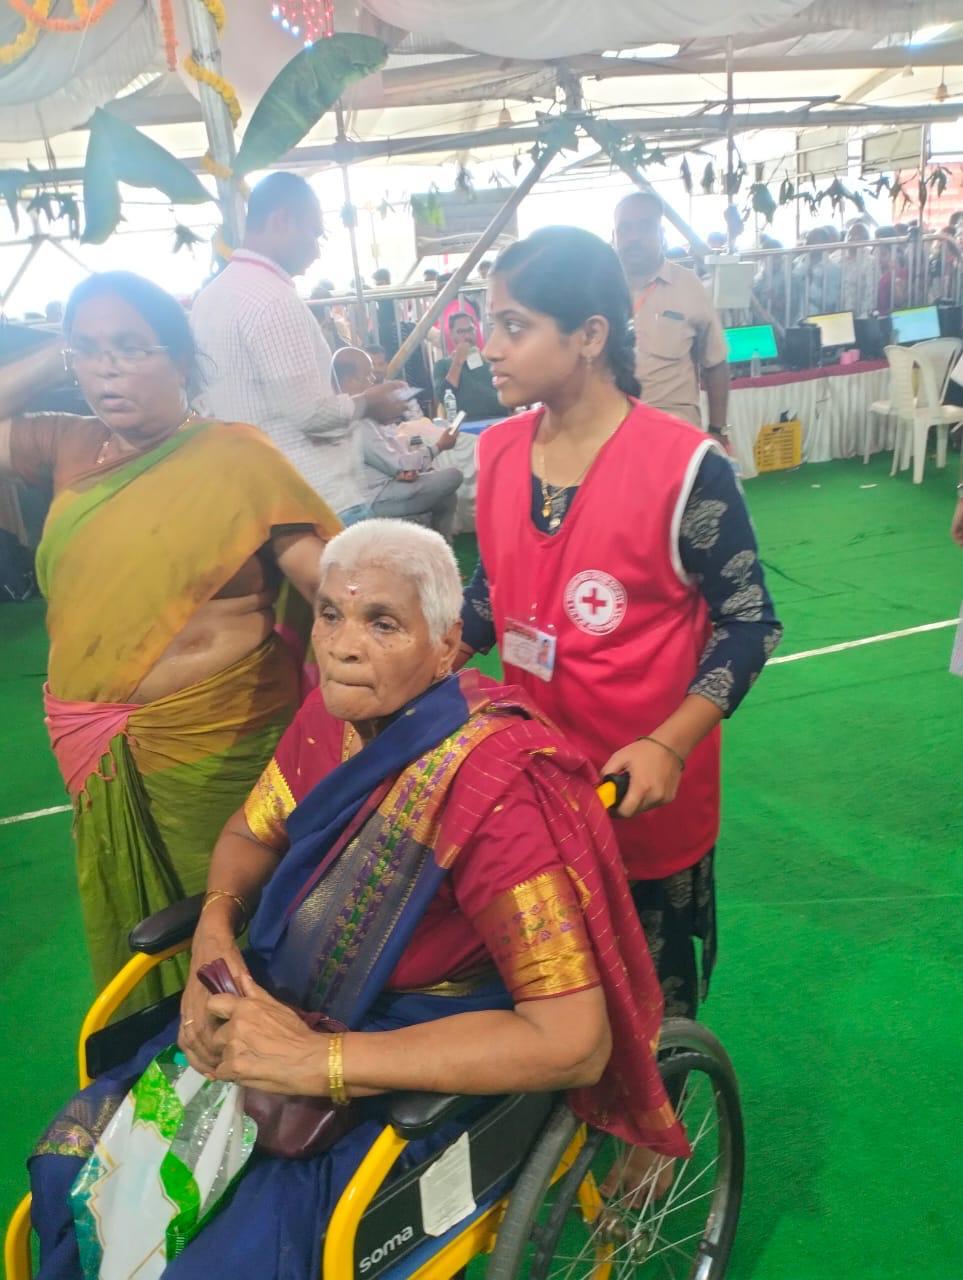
{"x":755,"y":365}
{"x":450,"y":404}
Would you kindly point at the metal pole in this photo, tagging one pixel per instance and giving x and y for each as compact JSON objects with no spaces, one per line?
{"x":487,"y":237}
{"x":696,"y":243}
{"x":730,"y":143}
{"x":206,"y":51}
{"x":56,"y":244}
{"x":21,"y":270}
{"x":351,"y":221}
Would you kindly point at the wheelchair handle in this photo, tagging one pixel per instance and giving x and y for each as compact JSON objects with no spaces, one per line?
{"x":612,"y":789}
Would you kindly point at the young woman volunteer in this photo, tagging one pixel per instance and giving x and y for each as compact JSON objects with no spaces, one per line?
{"x":618,"y":574}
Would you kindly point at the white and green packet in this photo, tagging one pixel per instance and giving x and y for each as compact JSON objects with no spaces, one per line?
{"x":166,"y":1163}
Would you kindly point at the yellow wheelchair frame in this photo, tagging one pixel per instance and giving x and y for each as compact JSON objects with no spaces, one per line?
{"x":570,"y":1153}
{"x":339,"y":1243}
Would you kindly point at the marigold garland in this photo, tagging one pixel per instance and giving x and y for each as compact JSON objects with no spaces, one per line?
{"x":217,"y":83}
{"x":170,"y":34}
{"x":36,"y":14}
{"x":25,"y":41}
{"x":216,"y":9}
{"x":217,"y":170}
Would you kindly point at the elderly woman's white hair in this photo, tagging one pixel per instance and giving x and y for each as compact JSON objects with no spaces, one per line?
{"x":413,"y":552}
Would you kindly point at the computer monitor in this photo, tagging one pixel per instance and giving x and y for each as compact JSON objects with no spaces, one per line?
{"x":748,"y":340}
{"x":835,"y":330}
{"x":915,"y":324}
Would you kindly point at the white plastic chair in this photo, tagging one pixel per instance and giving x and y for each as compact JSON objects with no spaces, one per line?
{"x":930,"y":410}
{"x":901,"y":403}
{"x":941,"y":354}
{"x":917,"y":411}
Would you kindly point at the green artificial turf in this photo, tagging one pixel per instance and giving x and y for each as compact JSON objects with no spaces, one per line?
{"x":837,"y":985}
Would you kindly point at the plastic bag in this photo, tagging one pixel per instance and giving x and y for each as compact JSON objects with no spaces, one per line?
{"x":165,"y":1164}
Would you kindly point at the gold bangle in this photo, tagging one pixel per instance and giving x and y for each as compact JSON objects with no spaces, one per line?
{"x":680,"y":760}
{"x":212,"y":895}
{"x":336,"y":1089}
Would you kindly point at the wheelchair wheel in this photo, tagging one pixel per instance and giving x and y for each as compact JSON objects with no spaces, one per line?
{"x":562,"y":1229}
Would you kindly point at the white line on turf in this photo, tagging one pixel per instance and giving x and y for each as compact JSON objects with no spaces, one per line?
{"x":856,"y":644}
{"x":36,"y":813}
{"x":789,"y":657}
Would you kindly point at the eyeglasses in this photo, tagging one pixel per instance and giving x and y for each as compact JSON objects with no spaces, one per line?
{"x":126,"y":359}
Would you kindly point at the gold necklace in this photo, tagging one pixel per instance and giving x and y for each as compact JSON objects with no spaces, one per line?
{"x":105,"y":447}
{"x":551,"y":493}
{"x":549,"y":498}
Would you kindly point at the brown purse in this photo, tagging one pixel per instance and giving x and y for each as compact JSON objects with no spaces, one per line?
{"x":292,"y":1127}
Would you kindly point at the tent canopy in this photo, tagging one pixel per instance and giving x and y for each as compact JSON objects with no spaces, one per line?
{"x":459,"y":70}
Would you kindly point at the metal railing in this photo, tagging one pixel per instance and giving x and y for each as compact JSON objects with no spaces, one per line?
{"x":386,"y":317}
{"x":867,"y":277}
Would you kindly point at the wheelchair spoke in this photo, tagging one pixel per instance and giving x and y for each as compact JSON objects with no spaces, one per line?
{"x":640,"y":1230}
{"x":663,"y":1248}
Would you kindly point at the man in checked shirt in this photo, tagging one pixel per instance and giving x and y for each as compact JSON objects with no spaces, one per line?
{"x":268,"y":361}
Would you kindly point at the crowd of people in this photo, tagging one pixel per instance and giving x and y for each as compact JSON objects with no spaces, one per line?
{"x":872,"y":276}
{"x":415,"y":849}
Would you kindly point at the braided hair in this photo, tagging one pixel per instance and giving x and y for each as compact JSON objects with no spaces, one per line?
{"x":569,"y":274}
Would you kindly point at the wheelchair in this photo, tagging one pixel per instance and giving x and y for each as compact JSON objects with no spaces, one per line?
{"x":535,"y":1169}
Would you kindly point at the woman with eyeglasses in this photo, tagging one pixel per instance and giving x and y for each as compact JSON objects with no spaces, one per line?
{"x":162,"y":556}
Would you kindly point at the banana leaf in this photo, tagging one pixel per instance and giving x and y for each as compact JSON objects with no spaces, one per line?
{"x":302,"y":92}
{"x":735,"y":179}
{"x":70,"y":210}
{"x":762,"y":200}
{"x":12,"y":182}
{"x":464,"y":182}
{"x":185,"y":238}
{"x":609,"y":137}
{"x":101,"y":190}
{"x":117,"y":152}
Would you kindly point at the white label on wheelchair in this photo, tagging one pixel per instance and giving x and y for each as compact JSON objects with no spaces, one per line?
{"x":446,"y":1193}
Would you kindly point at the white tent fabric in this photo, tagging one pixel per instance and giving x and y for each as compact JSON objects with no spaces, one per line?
{"x":57,"y":85}
{"x":561,"y":28}
{"x":439,"y":80}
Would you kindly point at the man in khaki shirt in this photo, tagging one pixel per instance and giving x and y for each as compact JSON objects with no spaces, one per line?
{"x":677,"y":330}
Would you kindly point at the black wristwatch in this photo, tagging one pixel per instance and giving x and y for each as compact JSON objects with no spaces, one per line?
{"x":721,"y":433}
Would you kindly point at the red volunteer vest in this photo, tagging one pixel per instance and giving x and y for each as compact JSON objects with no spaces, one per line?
{"x":630,"y":627}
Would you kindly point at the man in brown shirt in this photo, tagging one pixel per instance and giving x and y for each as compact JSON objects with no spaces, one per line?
{"x":677,"y":331}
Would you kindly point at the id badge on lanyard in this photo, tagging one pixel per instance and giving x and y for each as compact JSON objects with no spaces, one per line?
{"x":526,"y":647}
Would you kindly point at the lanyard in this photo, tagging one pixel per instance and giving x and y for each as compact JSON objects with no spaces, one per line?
{"x":643,"y":296}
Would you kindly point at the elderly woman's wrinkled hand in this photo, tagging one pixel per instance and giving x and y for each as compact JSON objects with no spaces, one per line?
{"x":198,"y":1025}
{"x":263,"y":1044}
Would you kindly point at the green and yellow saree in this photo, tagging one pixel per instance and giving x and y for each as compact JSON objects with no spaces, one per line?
{"x":128,"y":556}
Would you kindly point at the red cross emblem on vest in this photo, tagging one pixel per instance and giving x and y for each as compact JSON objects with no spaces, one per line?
{"x":595,"y":601}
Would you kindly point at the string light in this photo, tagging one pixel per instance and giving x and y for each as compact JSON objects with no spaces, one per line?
{"x":305,"y":20}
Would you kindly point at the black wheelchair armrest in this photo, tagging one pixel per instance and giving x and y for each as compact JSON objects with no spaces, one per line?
{"x":168,"y":927}
{"x":416,"y":1115}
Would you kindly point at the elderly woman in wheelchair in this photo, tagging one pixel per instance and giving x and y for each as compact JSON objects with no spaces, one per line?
{"x":425,"y":861}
